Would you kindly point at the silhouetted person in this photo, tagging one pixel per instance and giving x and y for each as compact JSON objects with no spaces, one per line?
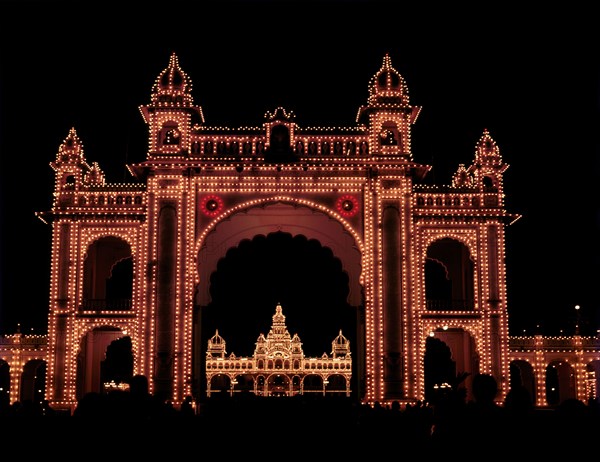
{"x":485,"y":418}
{"x":449,"y":414}
{"x":187,"y":410}
{"x":518,"y":402}
{"x":142,"y":405}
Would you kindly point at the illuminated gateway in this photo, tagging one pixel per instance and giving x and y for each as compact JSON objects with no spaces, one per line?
{"x":424,"y":264}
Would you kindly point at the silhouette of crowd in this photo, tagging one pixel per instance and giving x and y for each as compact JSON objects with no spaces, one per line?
{"x":449,"y":421}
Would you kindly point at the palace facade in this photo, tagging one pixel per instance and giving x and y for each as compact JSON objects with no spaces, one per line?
{"x":136,"y":260}
{"x":278,"y":366}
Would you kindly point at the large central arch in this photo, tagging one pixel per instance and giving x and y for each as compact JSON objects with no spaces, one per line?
{"x":279,"y":216}
{"x":280,"y":224}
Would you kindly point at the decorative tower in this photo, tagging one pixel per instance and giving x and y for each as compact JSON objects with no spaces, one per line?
{"x":70,"y":169}
{"x":171,"y":113}
{"x":388,"y":114}
{"x":340,"y":347}
{"x":487,"y":170}
{"x":172,"y":120}
{"x":216,"y":346}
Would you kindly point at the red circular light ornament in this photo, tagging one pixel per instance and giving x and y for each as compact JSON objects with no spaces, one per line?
{"x":211,"y":205}
{"x":347,"y":206}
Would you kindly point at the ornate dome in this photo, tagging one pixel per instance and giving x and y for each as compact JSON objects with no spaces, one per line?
{"x":172,"y":86}
{"x":340,"y":345}
{"x":387,"y":88}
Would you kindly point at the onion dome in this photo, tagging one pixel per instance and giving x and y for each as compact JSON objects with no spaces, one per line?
{"x":387,"y":87}
{"x":172,"y":87}
{"x":216,"y":345}
{"x":340,"y":345}
{"x":387,"y":92}
{"x":70,"y":151}
{"x":487,"y":151}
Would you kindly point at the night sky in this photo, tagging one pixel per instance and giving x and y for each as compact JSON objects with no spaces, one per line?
{"x":530,"y":77}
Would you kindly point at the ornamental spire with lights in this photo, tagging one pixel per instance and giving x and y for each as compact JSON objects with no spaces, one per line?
{"x":171,"y":115}
{"x":388,"y":113}
{"x":387,"y":87}
{"x":172,"y":87}
{"x":487,"y":151}
{"x":487,"y":170}
{"x":70,"y":165}
{"x":70,"y":151}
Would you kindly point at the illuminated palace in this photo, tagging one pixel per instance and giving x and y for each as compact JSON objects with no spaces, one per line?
{"x":278,"y":366}
{"x":424,"y":264}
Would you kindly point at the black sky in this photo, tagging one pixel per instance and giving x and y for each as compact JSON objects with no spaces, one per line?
{"x":528,"y":75}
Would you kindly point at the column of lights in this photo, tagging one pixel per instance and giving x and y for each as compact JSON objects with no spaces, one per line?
{"x":580,"y":372}
{"x":408,"y":274}
{"x":71,"y":347}
{"x":191,"y":271}
{"x":504,"y":344}
{"x":379,"y":300}
{"x":540,"y":369}
{"x":16,"y":369}
{"x":482,"y":292}
{"x":173,"y":192}
{"x":179,"y":304}
{"x":134,"y":330}
{"x":152,"y":224}
{"x":418,"y":338}
{"x":53,"y":303}
{"x":368,"y":271}
{"x":142,"y":298}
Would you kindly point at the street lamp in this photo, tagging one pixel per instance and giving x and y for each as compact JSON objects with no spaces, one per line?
{"x":577,"y":307}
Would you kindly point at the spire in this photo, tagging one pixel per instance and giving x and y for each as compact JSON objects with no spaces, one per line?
{"x":172,"y":86}
{"x":487,"y":151}
{"x":387,"y":87}
{"x":216,"y":346}
{"x":388,"y":92}
{"x":340,"y":346}
{"x":70,"y":151}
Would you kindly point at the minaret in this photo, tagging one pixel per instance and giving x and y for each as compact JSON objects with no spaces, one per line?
{"x":487,"y":170}
{"x":171,"y":113}
{"x":388,"y":114}
{"x":70,"y":169}
{"x":216,"y":346}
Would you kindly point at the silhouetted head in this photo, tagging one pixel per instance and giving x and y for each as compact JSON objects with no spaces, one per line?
{"x":485,"y":388}
{"x":138,"y":385}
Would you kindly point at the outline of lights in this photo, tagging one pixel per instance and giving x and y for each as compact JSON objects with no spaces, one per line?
{"x":211,"y":205}
{"x":347,"y":205}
